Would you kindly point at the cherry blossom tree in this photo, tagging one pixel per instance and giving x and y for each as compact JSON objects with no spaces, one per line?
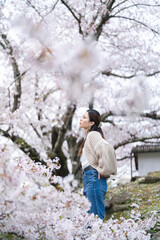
{"x":40,"y":206}
{"x":57,"y":59}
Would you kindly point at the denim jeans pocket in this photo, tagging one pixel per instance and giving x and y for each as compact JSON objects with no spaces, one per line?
{"x":89,"y":177}
{"x":90,"y":172}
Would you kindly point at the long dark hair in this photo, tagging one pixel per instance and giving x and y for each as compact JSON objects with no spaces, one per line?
{"x":95,"y":117}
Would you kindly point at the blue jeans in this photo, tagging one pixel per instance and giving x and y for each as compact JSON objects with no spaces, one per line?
{"x":95,"y":190}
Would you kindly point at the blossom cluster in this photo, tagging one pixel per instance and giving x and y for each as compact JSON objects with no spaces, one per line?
{"x":35,"y":204}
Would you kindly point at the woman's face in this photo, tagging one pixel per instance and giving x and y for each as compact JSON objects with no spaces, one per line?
{"x":85,"y":122}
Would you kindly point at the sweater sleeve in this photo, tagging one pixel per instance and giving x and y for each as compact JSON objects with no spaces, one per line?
{"x":107,"y":163}
{"x":100,"y":154}
{"x":90,"y":147}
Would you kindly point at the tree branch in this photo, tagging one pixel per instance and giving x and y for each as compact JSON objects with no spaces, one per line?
{"x":17,"y":76}
{"x":66,"y":122}
{"x":73,"y":14}
{"x":2,"y":45}
{"x":24,"y":146}
{"x":52,"y":8}
{"x":152,"y":115}
{"x":136,"y":5}
{"x":30,"y":3}
{"x":123,"y":158}
{"x":109,"y":73}
{"x":58,"y":138}
{"x":137,"y":21}
{"x":132,"y":140}
{"x":119,"y":4}
{"x":43,"y":17}
{"x":4,"y":215}
{"x":152,"y":74}
{"x":104,"y":19}
{"x":36,"y":131}
{"x":106,"y":115}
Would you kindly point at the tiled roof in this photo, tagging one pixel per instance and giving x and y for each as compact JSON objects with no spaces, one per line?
{"x":146,"y":148}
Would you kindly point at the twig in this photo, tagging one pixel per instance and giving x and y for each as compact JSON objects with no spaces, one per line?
{"x":137,"y":21}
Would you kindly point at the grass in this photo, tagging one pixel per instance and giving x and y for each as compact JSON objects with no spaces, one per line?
{"x":146,"y":196}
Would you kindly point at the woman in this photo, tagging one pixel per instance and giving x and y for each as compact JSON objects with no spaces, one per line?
{"x":94,"y":179}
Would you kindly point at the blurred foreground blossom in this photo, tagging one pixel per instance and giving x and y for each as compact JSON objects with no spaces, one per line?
{"x":75,"y":65}
{"x":39,"y":36}
{"x":133,"y":97}
{"x":80,"y":68}
{"x":32,"y":208}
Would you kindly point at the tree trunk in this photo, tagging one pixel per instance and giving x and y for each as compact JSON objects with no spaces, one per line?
{"x":58,"y":138}
{"x":17,"y":76}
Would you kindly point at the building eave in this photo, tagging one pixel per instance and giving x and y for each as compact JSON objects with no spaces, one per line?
{"x":146,"y":148}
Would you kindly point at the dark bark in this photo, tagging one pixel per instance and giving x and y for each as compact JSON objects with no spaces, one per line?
{"x":73,"y":147}
{"x":63,"y":171}
{"x":152,"y":115}
{"x":17,"y":76}
{"x":24,"y":146}
{"x":67,"y":119}
{"x":104,"y":19}
{"x":91,"y":103}
{"x":104,"y":116}
{"x":78,"y":19}
{"x":58,"y":138}
{"x":54,"y":136}
{"x":134,"y":139}
{"x":109,"y":73}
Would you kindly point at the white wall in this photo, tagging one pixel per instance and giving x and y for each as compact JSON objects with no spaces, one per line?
{"x":148,"y":162}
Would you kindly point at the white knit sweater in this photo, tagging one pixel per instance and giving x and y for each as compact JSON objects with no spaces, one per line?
{"x":100,"y":154}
